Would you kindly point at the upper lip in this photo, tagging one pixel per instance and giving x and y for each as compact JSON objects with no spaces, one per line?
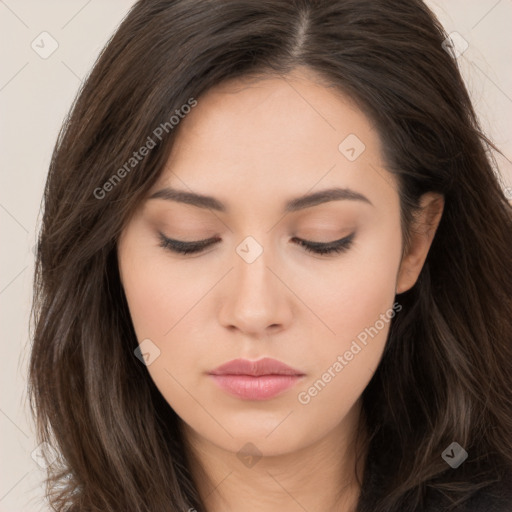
{"x":265,"y":366}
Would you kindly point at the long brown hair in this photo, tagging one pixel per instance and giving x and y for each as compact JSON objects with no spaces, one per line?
{"x":446,"y":373}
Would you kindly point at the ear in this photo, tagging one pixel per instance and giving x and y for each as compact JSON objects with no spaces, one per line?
{"x":422,"y":233}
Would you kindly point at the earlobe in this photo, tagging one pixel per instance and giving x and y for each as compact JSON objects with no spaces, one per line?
{"x":422,"y":234}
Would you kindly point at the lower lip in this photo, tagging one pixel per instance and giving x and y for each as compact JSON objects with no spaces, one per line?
{"x":263,"y":387}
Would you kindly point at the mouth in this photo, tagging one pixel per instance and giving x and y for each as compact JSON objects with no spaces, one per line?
{"x":256,"y":380}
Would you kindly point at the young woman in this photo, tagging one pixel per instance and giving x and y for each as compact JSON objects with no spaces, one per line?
{"x":273,"y":271}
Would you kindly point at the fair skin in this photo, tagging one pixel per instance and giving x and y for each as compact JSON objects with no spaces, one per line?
{"x":254,"y":146}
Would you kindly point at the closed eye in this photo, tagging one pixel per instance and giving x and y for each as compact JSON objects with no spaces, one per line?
{"x":195,"y":247}
{"x":337,"y":246}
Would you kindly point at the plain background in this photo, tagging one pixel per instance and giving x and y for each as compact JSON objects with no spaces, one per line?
{"x":35,"y":95}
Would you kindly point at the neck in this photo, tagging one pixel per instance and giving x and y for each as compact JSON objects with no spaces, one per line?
{"x":319,"y":476}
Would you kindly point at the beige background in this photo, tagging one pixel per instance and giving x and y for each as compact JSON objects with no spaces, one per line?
{"x":35,"y":95}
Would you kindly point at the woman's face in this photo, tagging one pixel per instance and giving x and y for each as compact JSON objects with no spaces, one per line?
{"x":255,"y":292}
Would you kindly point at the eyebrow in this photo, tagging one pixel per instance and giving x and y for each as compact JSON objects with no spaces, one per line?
{"x":293,"y":205}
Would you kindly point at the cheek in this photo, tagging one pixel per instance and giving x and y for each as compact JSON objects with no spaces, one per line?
{"x":361,"y":285}
{"x":159,"y":293}
{"x":356,"y":303}
{"x":160,"y":301}
{"x":165,"y":300}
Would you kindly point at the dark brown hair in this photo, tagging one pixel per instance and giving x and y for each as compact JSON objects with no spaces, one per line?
{"x":446,"y":373}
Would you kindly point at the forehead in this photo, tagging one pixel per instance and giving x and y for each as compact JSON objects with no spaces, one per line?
{"x":279,"y":136}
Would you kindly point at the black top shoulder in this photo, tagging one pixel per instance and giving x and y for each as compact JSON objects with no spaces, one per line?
{"x":496,"y":496}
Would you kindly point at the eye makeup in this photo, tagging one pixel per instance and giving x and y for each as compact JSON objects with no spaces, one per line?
{"x":195,"y":247}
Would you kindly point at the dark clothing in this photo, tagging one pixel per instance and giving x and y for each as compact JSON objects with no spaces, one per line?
{"x":495,"y":497}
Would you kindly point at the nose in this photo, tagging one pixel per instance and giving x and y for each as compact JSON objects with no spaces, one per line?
{"x":255,"y":299}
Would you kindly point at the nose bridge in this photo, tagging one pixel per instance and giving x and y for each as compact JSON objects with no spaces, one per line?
{"x":256,"y":299}
{"x":252,"y":259}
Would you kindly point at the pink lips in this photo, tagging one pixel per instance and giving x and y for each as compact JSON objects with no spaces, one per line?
{"x":255,"y":380}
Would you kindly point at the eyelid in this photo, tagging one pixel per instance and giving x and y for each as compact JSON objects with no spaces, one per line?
{"x":327,"y":248}
{"x":197,"y":246}
{"x":172,"y":243}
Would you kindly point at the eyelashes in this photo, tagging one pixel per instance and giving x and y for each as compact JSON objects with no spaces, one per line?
{"x":337,"y":246}
{"x":181,"y":247}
